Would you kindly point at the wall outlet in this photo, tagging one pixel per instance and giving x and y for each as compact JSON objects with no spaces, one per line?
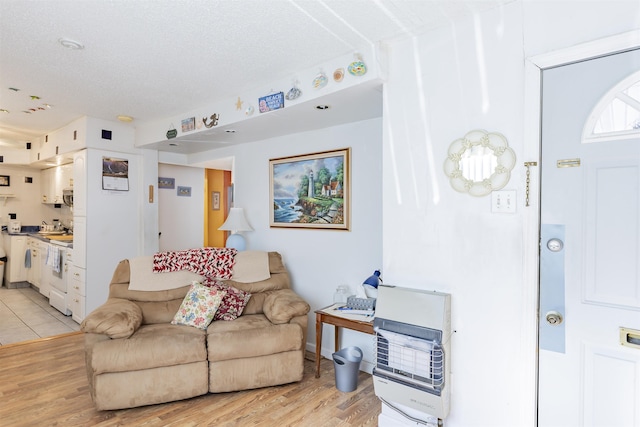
{"x":503,"y":201}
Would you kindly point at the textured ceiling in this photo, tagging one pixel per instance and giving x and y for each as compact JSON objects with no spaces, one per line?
{"x":154,"y":59}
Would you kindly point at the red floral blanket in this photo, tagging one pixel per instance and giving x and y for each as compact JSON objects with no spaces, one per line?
{"x":209,"y":262}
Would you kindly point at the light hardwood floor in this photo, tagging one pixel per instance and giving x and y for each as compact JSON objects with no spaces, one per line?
{"x":43,"y":383}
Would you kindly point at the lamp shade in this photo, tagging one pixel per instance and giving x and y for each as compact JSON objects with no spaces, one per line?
{"x":236,"y":221}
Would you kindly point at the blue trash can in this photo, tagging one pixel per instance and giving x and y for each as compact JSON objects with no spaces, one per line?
{"x":347,"y":366}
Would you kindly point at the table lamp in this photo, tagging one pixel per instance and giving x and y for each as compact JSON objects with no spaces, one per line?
{"x":236,"y":222}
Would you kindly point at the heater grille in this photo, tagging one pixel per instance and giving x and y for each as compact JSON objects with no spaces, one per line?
{"x":414,"y":360}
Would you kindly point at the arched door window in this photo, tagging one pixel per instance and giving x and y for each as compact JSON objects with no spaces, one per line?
{"x":617,"y":115}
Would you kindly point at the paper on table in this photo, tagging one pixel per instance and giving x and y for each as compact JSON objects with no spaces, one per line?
{"x":345,"y":314}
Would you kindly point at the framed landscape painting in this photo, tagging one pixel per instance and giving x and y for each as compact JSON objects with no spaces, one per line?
{"x":311,"y":190}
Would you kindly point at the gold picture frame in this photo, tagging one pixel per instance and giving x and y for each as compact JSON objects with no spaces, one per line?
{"x":311,"y":190}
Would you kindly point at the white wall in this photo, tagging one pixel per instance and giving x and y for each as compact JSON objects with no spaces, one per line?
{"x":113,"y":230}
{"x":318,"y":260}
{"x":180,"y":218}
{"x":436,"y":238}
{"x":26,"y":204}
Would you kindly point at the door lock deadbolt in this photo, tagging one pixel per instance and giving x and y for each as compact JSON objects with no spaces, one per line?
{"x":554,"y":318}
{"x":555,"y":245}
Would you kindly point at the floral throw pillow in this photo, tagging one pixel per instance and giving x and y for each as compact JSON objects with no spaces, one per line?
{"x":233,"y":303}
{"x":199,"y":306}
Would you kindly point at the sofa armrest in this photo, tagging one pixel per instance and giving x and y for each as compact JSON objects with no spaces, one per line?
{"x":283,"y":305}
{"x":116,"y":318}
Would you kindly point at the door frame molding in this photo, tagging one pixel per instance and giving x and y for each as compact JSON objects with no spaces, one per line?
{"x":532,"y":148}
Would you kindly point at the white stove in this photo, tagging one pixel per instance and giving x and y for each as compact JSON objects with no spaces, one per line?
{"x":57,"y":267}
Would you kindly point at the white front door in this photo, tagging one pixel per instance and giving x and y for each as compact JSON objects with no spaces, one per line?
{"x":589,"y":254}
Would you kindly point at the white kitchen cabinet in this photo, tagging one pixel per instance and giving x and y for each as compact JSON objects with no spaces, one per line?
{"x":34,"y":153}
{"x":45,"y":273}
{"x":61,"y":141}
{"x":77,"y":287}
{"x":80,"y":241}
{"x":80,"y":183}
{"x":78,"y":291}
{"x":66,"y":178}
{"x":34,"y":273}
{"x":68,"y":267}
{"x":53,"y":181}
{"x":48,"y":146}
{"x":46,"y":186}
{"x":76,"y":279}
{"x":14,"y":269}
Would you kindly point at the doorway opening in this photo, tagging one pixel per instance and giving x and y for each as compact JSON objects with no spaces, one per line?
{"x":218,"y":200}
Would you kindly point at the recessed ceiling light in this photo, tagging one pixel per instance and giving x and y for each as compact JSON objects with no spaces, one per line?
{"x":2,"y":110}
{"x":322,"y":107}
{"x":71,"y":44}
{"x":124,"y":118}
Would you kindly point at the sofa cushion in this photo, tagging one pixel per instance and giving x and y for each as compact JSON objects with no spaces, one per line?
{"x":151,"y":346}
{"x":117,"y":318}
{"x":142,"y":277}
{"x":281,"y":306}
{"x":120,"y":390}
{"x":199,"y":306}
{"x":251,"y":266}
{"x":234,"y":301}
{"x":256,"y":372}
{"x":244,"y":322}
{"x":254,"y":336}
{"x":279,"y":278}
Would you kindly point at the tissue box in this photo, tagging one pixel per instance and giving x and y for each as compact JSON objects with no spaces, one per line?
{"x":361,"y":303}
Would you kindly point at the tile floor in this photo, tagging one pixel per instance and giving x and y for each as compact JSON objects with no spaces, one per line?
{"x":25,"y":315}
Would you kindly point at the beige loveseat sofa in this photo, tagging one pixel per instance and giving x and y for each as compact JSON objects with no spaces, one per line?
{"x":135,"y":356}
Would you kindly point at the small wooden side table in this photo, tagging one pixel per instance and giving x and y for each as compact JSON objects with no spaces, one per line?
{"x":338,"y":321}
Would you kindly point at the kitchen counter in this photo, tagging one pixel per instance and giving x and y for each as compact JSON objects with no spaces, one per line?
{"x":34,"y":231}
{"x":24,"y":230}
{"x":56,"y":239}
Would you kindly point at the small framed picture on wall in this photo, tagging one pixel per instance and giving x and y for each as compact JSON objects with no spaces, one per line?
{"x":5,"y":180}
{"x":215,"y":200}
{"x":184,"y":191}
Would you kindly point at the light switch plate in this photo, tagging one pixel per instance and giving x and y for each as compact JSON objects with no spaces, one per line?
{"x":503,"y":201}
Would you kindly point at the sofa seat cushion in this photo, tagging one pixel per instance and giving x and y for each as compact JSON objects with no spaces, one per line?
{"x":151,"y":346}
{"x":256,"y":372}
{"x":246,"y":321}
{"x":251,"y":336}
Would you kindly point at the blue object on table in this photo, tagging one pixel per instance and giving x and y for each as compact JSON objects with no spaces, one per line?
{"x":373,"y":280}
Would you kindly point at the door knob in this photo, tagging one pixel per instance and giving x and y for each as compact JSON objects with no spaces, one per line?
{"x":555,"y":245}
{"x":554,"y":318}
